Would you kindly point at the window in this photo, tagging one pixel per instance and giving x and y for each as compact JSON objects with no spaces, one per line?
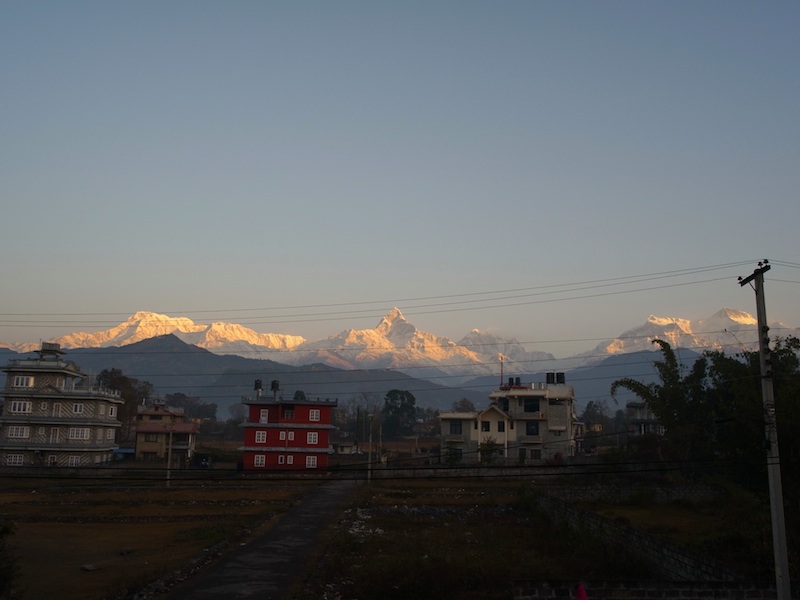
{"x":20,"y":407}
{"x":501,"y":426}
{"x":455,"y":427}
{"x":54,"y":435}
{"x":17,"y":432}
{"x":291,"y":435}
{"x":486,"y":426}
{"x":282,"y":435}
{"x":44,"y":407}
{"x":531,"y":428}
{"x":259,"y":460}
{"x":261,"y":437}
{"x":77,"y":408}
{"x":290,"y":460}
{"x":51,"y":460}
{"x":311,"y":462}
{"x":23,"y":381}
{"x":99,"y":435}
{"x":102,"y":410}
{"x":40,"y":431}
{"x":109,"y":434}
{"x":531,"y":405}
{"x":14,"y":460}
{"x":112,"y":411}
{"x":56,"y":410}
{"x":313,"y":414}
{"x":79,"y":433}
{"x":312,"y":437}
{"x":74,"y":461}
{"x":150,"y":437}
{"x":263,"y":415}
{"x":281,"y":459}
{"x":288,"y":413}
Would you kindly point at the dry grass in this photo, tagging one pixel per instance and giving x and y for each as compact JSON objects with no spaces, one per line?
{"x":92,"y":543}
{"x":467,"y":539}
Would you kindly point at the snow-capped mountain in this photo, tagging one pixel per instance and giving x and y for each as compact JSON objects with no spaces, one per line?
{"x":397,"y":344}
{"x":727,"y":330}
{"x":393,"y":344}
{"x":220,"y":338}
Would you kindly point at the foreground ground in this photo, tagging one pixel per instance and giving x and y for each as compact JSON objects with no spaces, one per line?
{"x":95,"y":540}
{"x":400,"y":538}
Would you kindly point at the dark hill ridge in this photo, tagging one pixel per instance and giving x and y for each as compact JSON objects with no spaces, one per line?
{"x":173,"y":366}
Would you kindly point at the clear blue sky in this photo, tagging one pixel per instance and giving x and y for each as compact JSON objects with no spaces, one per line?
{"x":246,"y":161}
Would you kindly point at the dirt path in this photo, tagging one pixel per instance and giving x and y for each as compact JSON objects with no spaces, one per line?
{"x":269,"y":566}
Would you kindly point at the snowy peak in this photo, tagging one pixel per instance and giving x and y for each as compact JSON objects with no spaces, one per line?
{"x":729,"y":316}
{"x":395,"y":327}
{"x":395,"y":343}
{"x":670,"y":322}
{"x":144,"y":325}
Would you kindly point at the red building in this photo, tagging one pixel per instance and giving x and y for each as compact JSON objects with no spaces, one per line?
{"x":287,"y":434}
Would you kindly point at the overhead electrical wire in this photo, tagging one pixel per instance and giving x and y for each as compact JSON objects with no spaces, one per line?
{"x":499,"y":297}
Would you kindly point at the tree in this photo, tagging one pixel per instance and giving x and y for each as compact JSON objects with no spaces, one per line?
{"x":299,"y":396}
{"x":238,"y":412}
{"x":192,"y":407}
{"x":132,"y":391}
{"x":737,"y":405}
{"x":679,"y":403}
{"x":463,"y":405}
{"x":488,"y":448}
{"x":399,"y":413}
{"x":598,"y":425}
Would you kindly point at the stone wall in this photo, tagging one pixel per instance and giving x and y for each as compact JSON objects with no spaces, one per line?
{"x":666,"y":560}
{"x":648,"y":590}
{"x":650,"y":492}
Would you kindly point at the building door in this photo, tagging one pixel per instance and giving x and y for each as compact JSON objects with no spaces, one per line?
{"x":54,"y":435}
{"x":56,"y":409}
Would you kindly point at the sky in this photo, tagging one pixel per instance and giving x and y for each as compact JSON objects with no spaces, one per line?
{"x":549,"y":171}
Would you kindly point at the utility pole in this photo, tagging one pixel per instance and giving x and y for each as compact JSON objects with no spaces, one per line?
{"x":771,"y":429}
{"x":169,"y":454}
{"x":369,"y":458}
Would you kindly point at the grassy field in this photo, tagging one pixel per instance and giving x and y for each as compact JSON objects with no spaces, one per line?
{"x":92,"y":541}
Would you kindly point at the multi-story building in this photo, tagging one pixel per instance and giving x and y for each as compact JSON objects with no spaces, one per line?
{"x":162,"y":433}
{"x":52,"y":414}
{"x":523,"y":424}
{"x":287,"y":434}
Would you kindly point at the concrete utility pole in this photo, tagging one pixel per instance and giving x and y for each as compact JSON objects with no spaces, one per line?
{"x":369,"y":457}
{"x":779,"y":550}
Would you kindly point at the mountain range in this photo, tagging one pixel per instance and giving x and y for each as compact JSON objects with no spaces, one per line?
{"x":397,"y":344}
{"x":219,"y":362}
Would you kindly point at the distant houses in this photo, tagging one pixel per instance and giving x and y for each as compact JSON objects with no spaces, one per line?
{"x":53,"y":415}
